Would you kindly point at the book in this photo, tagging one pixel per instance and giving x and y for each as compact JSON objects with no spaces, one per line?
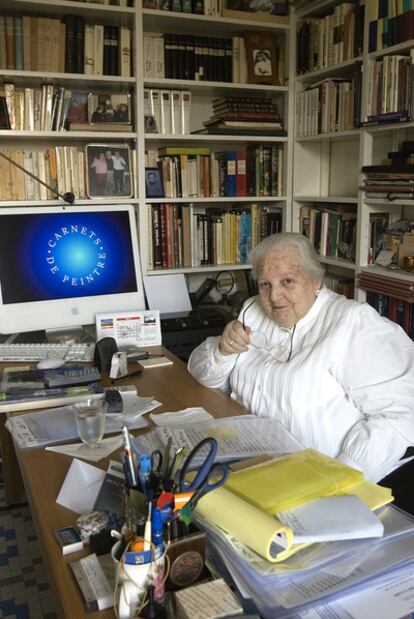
{"x":69,"y":540}
{"x":213,"y":130}
{"x":93,"y":583}
{"x":255,"y":16}
{"x":155,"y":362}
{"x":105,"y":126}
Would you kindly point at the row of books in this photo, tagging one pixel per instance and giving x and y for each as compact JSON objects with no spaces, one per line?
{"x":341,"y":285}
{"x":390,"y":88}
{"x":190,"y":236}
{"x":390,"y":23}
{"x":196,"y":172}
{"x":331,"y":229}
{"x":191,"y":57}
{"x":34,"y":109}
{"x":69,"y":45}
{"x":127,"y":3}
{"x":330,"y":106}
{"x":327,"y":41}
{"x":63,"y":168}
{"x":397,"y":310}
{"x":198,"y":7}
{"x":170,"y":111}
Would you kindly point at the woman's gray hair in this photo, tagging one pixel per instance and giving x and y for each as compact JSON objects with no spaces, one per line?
{"x":300,"y":244}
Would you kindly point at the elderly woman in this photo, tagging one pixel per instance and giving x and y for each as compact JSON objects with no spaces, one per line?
{"x":335,"y":374}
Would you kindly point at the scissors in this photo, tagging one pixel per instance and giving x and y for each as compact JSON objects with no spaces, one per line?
{"x":209,"y":475}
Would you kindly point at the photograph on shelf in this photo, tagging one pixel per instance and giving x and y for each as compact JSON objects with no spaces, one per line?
{"x":272,"y":7}
{"x":77,"y":113}
{"x":153,"y":183}
{"x":261,"y":56}
{"x":150,"y":124}
{"x":109,"y":108}
{"x":109,"y":171}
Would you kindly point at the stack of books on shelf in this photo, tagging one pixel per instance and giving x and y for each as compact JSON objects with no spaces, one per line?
{"x":390,"y":89}
{"x":190,"y":57}
{"x":274,"y":11}
{"x":329,"y":106}
{"x":330,"y":40}
{"x":331,"y":229}
{"x":69,"y":45}
{"x":244,"y":116}
{"x":394,"y":177}
{"x":389,"y":24}
{"x":191,"y":236}
{"x":34,"y":109}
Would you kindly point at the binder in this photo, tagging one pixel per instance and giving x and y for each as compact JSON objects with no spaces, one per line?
{"x":176,"y":112}
{"x":156,"y":107}
{"x":165,"y":111}
{"x":186,"y":97}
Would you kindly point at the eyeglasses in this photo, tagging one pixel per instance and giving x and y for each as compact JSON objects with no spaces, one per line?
{"x":280,"y":352}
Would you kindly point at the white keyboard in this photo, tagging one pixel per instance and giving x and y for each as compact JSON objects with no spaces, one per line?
{"x":80,"y":352}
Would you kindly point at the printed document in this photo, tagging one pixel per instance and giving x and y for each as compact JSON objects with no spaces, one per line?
{"x":237,"y":437}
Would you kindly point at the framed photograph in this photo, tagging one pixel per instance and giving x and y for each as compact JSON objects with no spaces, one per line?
{"x":271,"y":7}
{"x":108,"y":171}
{"x":261,"y":58}
{"x":153,"y":183}
{"x":150,"y":124}
{"x":109,"y":108}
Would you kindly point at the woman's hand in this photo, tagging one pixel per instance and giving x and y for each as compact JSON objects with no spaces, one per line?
{"x":234,"y":338}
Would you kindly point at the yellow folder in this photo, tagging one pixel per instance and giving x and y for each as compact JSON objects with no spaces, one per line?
{"x":280,"y":484}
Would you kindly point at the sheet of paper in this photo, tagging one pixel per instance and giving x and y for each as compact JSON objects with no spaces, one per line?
{"x":331,"y":518}
{"x":167,"y":293}
{"x":238,"y":437}
{"x":391,"y":598}
{"x":76,"y":450}
{"x":80,"y":487}
{"x":58,"y":425}
{"x":190,"y":415}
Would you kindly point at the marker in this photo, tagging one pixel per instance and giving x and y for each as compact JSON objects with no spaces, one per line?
{"x":144,"y":473}
{"x":128,"y":455}
{"x":147,"y":530}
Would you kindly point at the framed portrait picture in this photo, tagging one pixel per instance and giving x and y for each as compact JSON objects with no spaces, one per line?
{"x":261,"y":55}
{"x":153,"y":183}
{"x":150,"y":124}
{"x":108,"y":171}
{"x":109,"y":108}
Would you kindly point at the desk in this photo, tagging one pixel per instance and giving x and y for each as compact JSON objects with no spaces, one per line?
{"x":43,"y":473}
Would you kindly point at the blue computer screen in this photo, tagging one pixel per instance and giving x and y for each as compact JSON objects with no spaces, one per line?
{"x":49,"y":256}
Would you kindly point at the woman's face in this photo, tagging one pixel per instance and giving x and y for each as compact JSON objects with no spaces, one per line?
{"x":286,"y":292}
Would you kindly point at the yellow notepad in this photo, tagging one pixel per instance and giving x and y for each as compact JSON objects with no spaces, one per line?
{"x":283,"y":483}
{"x":264,"y":533}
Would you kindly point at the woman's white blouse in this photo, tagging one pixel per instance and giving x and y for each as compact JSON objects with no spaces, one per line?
{"x":348,"y":389}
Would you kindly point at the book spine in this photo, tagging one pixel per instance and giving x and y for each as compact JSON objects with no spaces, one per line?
{"x":9,"y":29}
{"x":70,"y":44}
{"x":18,"y":43}
{"x":125,"y":51}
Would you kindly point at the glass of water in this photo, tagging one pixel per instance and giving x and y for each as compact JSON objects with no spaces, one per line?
{"x":90,"y":421}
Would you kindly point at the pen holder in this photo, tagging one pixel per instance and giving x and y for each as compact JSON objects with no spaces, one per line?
{"x":186,"y":558}
{"x":133,"y":580}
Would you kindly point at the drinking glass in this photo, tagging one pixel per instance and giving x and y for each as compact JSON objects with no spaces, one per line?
{"x":90,"y":421}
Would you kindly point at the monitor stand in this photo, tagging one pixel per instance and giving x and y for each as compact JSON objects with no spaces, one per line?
{"x":78,"y":333}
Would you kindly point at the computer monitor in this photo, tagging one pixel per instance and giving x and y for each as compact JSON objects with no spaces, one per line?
{"x":59,"y":266}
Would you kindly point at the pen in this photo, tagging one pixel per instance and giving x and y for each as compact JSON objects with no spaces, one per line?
{"x":144,"y":473}
{"x":129,"y":375}
{"x":128,"y":455}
